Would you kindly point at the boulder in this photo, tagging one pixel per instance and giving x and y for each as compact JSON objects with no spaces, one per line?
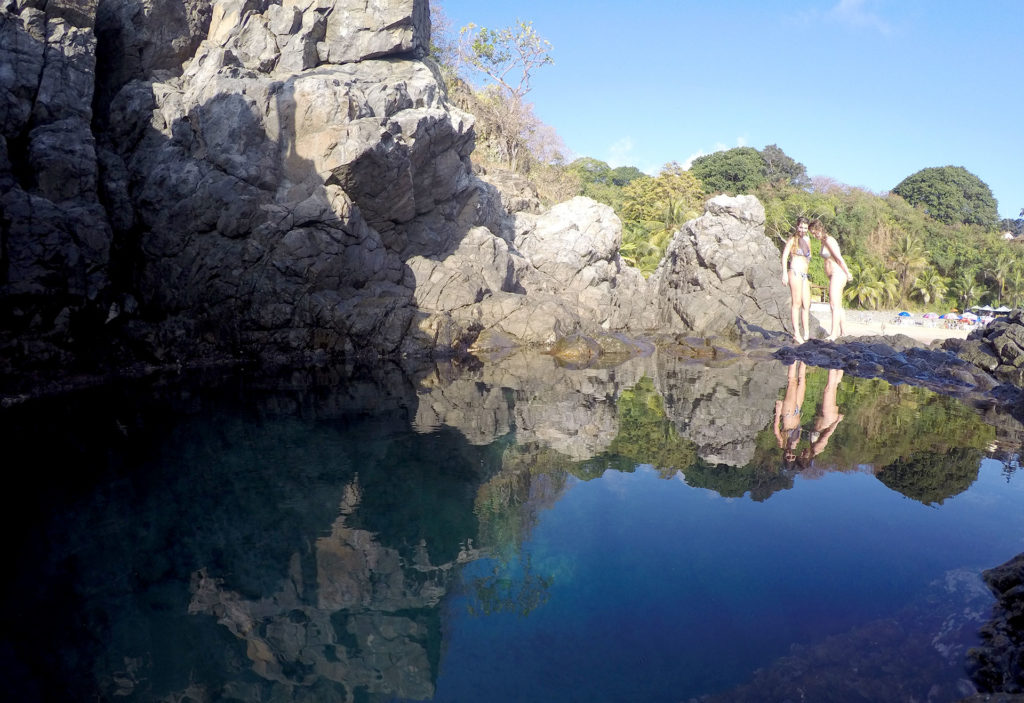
{"x":573,"y":249}
{"x":719,"y":268}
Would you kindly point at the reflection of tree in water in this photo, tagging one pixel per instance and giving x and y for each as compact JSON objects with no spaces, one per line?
{"x":926,"y":446}
{"x":736,"y":481}
{"x":511,"y":586}
{"x":931,"y":478}
{"x":531,"y":478}
{"x":646,"y":436}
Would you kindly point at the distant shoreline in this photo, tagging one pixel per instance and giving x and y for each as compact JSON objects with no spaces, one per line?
{"x":865,"y":323}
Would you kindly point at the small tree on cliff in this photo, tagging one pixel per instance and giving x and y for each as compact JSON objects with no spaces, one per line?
{"x":506,"y":59}
{"x":507,"y":56}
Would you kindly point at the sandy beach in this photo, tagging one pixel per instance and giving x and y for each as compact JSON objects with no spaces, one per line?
{"x":862,"y":323}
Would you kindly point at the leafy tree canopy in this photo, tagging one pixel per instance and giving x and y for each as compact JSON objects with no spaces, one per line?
{"x":735,"y":171}
{"x":507,"y":56}
{"x":950,"y":194}
{"x":624,"y":175}
{"x":781,"y":168}
{"x":591,"y":170}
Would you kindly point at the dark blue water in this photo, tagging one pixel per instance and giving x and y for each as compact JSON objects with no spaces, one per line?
{"x":512,"y":532}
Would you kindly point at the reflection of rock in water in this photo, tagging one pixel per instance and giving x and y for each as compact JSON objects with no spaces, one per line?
{"x":369,"y":623}
{"x":916,"y":655}
{"x":573,"y":411}
{"x":569,"y":410}
{"x":998,"y":664}
{"x":720,"y":408}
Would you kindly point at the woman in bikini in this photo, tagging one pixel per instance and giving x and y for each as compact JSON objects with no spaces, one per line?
{"x":838,"y":276}
{"x":796,"y":258}
{"x":787,"y":412}
{"x":828,"y":415}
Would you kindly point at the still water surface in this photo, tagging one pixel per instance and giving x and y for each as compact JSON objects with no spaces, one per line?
{"x":658,"y":531}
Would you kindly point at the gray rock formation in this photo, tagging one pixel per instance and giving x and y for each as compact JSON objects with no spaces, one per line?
{"x":718,"y":268}
{"x":190,"y":177}
{"x":997,"y":348}
{"x":54,"y":235}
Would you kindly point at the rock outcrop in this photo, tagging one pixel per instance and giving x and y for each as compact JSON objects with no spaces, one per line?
{"x":997,"y":348}
{"x":714,"y":272}
{"x":187,"y":178}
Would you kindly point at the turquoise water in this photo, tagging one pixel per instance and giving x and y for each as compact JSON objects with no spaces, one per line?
{"x":512,"y":532}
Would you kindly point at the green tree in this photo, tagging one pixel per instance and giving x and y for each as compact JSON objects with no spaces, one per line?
{"x":1015,"y":284}
{"x":965,"y":289}
{"x":1000,"y":270}
{"x":735,"y":171}
{"x":930,"y":286}
{"x":591,"y":170}
{"x":781,"y":168}
{"x":508,"y":56}
{"x":653,"y":209}
{"x":908,"y":257}
{"x":950,"y":194}
{"x":864,"y":288}
{"x":624,"y":175}
{"x":888,"y":288}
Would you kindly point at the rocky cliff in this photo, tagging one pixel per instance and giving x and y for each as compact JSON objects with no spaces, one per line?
{"x":186,"y":178}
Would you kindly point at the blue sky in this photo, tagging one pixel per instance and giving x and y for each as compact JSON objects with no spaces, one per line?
{"x":864,"y":91}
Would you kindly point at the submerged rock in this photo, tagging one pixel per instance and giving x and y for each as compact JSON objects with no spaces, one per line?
{"x":997,"y":666}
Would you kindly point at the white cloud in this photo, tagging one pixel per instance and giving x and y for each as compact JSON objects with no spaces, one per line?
{"x":619,"y":152}
{"x":851,"y":13}
{"x":854,"y":13}
{"x":740,"y":141}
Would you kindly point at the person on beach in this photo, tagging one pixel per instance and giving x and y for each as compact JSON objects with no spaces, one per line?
{"x":828,"y":417}
{"x":796,"y":261}
{"x":787,"y":412}
{"x":838,"y":276}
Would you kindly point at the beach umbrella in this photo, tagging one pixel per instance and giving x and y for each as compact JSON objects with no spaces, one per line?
{"x":950,"y":316}
{"x":1002,"y":308}
{"x":905,"y":314}
{"x":987,"y":308}
{"x":970,"y":316}
{"x":930,"y":315}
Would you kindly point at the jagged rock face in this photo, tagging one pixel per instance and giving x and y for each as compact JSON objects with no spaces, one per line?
{"x":291,"y":178}
{"x":997,"y":348}
{"x":718,"y":268}
{"x":54,"y":236}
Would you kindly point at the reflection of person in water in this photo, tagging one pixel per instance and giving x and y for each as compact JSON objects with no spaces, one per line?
{"x":828,"y":416}
{"x":787,"y":411}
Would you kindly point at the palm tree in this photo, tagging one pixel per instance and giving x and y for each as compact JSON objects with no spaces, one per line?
{"x":676,"y":214}
{"x":889,"y":288}
{"x":1000,"y":271}
{"x":965,"y":289}
{"x":864,"y":288}
{"x":929,"y":285}
{"x":909,"y":256}
{"x":1015,"y":283}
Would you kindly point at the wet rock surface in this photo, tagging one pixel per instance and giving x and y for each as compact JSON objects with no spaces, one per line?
{"x":997,"y":666}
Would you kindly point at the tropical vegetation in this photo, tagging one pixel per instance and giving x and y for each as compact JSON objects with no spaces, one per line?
{"x":933,"y":241}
